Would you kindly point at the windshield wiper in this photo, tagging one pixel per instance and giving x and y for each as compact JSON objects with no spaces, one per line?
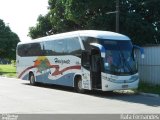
{"x":125,"y":62}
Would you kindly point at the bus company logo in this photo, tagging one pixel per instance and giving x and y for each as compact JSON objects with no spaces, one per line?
{"x":42,"y":63}
{"x":60,"y":61}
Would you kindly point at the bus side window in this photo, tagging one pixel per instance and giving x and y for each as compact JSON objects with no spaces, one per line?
{"x":87,"y":40}
{"x":23,"y":50}
{"x":48,"y":48}
{"x":35,"y":49}
{"x":20,"y":50}
{"x":85,"y":59}
{"x":32,"y":49}
{"x":73,"y":46}
{"x":60,"y":47}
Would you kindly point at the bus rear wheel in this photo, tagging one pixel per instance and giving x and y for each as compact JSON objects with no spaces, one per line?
{"x":32,"y":79}
{"x":78,"y":85}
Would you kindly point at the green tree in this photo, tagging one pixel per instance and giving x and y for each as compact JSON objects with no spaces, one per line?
{"x":69,"y":15}
{"x":140,"y":19}
{"x":41,"y":28}
{"x":91,"y":14}
{"x":8,"y":40}
{"x":58,"y":17}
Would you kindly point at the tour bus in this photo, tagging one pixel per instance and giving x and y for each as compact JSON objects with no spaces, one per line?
{"x":85,"y":60}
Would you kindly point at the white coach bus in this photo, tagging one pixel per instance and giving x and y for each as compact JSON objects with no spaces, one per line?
{"x":85,"y":60}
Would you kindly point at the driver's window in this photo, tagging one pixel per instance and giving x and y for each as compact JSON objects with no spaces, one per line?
{"x":85,"y":59}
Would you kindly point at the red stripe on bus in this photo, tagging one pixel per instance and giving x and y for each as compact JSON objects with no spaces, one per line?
{"x":56,"y":72}
{"x":26,"y":70}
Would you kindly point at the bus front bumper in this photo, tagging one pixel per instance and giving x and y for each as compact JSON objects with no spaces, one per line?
{"x":110,"y":86}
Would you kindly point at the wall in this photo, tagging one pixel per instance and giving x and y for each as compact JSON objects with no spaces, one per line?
{"x":149,"y":67}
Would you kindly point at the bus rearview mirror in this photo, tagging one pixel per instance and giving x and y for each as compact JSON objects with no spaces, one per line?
{"x":142,"y":56}
{"x":106,"y":65}
{"x":140,"y":49}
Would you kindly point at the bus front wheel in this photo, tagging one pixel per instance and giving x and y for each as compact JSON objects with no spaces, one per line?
{"x":78,"y":85}
{"x":32,"y":79}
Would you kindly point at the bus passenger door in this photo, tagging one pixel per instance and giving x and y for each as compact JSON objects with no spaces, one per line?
{"x":85,"y":61}
{"x":95,"y":70}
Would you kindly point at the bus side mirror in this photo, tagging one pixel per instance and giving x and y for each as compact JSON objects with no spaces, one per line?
{"x":142,"y":56}
{"x":140,"y":49}
{"x":100,"y":47}
{"x":106,"y":65}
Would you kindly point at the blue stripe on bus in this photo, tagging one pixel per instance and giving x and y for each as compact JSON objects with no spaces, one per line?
{"x":66,"y":80}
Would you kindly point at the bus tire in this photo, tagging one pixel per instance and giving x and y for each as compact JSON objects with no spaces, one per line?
{"x":78,"y":85}
{"x":32,"y":79}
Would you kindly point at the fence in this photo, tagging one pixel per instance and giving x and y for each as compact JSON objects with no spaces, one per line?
{"x":149,"y":67}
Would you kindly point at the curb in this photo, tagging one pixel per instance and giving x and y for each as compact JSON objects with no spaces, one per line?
{"x":8,"y":77}
{"x":149,"y":94}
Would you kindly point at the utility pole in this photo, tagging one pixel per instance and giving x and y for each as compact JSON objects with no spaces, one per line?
{"x":117,"y":15}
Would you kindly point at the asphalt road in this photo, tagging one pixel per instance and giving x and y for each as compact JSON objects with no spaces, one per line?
{"x":17,"y":96}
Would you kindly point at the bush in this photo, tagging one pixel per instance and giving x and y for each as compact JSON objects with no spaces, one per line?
{"x":149,"y":88}
{"x":13,"y":62}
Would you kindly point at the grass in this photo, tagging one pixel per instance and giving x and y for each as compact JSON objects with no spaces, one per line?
{"x":8,"y":70}
{"x":147,"y":88}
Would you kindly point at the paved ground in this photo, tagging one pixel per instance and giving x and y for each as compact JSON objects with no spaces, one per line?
{"x":17,"y":96}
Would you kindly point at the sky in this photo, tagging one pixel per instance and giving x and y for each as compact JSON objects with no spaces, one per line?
{"x":22,"y":14}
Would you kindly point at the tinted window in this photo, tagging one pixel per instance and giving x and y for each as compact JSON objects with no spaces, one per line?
{"x":73,"y":46}
{"x":31,"y":49}
{"x":87,"y":40}
{"x":60,"y":47}
{"x":86,"y":60}
{"x":49,"y":48}
{"x":55,"y":47}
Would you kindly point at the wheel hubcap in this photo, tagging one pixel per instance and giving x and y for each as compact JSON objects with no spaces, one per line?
{"x":32,"y":79}
{"x":80,"y":84}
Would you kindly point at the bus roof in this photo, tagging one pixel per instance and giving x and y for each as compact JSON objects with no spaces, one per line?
{"x":90,"y":33}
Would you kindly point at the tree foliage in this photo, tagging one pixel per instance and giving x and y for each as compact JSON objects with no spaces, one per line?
{"x":42,"y":27}
{"x":139,"y":19}
{"x":8,"y":42}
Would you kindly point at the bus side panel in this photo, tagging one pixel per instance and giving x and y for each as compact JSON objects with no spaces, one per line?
{"x":23,"y":66}
{"x":66,"y":80}
{"x":58,"y":70}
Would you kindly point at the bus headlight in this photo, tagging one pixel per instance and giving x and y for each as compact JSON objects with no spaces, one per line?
{"x":134,"y":78}
{"x":111,"y":79}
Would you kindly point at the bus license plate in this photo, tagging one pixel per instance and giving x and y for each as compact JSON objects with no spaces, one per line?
{"x":124,"y":86}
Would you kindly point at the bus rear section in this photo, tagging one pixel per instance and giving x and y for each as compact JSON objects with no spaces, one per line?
{"x":53,"y":61}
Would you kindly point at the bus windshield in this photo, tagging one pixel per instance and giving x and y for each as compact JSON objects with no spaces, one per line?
{"x":119,"y":57}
